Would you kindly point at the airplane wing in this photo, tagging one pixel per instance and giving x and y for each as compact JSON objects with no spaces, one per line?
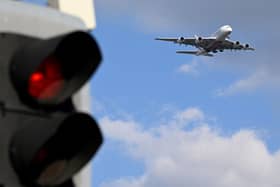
{"x":187,"y":41}
{"x":228,"y":44}
{"x":195,"y":41}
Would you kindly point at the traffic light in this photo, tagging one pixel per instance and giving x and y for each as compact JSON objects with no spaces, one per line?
{"x":47,"y":72}
{"x":47,"y":140}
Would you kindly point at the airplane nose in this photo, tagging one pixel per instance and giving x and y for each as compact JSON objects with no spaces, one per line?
{"x":226,"y":29}
{"x":229,"y":29}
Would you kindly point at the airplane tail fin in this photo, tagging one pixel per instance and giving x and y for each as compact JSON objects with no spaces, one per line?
{"x":194,"y":53}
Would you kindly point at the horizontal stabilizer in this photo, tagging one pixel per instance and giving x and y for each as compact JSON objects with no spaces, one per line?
{"x":195,"y":53}
{"x":250,"y":48}
{"x":167,"y":39}
{"x":188,"y":52}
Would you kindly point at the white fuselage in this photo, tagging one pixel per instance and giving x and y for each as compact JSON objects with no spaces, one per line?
{"x":223,"y":32}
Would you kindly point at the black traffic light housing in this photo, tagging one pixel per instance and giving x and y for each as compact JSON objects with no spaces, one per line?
{"x":49,"y":141}
{"x":47,"y":72}
{"x":63,"y":145}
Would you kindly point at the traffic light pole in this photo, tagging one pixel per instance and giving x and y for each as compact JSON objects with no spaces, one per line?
{"x":36,"y":21}
{"x":82,"y":102}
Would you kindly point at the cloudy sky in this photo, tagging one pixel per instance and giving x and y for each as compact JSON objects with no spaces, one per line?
{"x":178,"y":120}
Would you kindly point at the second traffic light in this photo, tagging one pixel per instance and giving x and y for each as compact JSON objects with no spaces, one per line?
{"x":48,"y":152}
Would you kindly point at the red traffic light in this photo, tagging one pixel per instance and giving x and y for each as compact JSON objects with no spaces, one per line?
{"x":46,"y":73}
{"x":47,"y":81}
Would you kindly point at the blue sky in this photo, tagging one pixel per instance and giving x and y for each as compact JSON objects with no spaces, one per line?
{"x":164,"y":113}
{"x":140,"y":80}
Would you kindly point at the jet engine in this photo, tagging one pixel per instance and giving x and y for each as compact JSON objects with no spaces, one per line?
{"x":181,"y":40}
{"x":247,"y":46}
{"x":198,"y":39}
{"x":237,"y":45}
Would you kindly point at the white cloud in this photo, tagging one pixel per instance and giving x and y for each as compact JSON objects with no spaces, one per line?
{"x":259,"y":79}
{"x":245,"y":85}
{"x":186,"y":68}
{"x":182,"y":118}
{"x":201,"y":156}
{"x":189,"y":68}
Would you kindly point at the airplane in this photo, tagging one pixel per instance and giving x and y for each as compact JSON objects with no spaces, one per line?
{"x":219,"y":41}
